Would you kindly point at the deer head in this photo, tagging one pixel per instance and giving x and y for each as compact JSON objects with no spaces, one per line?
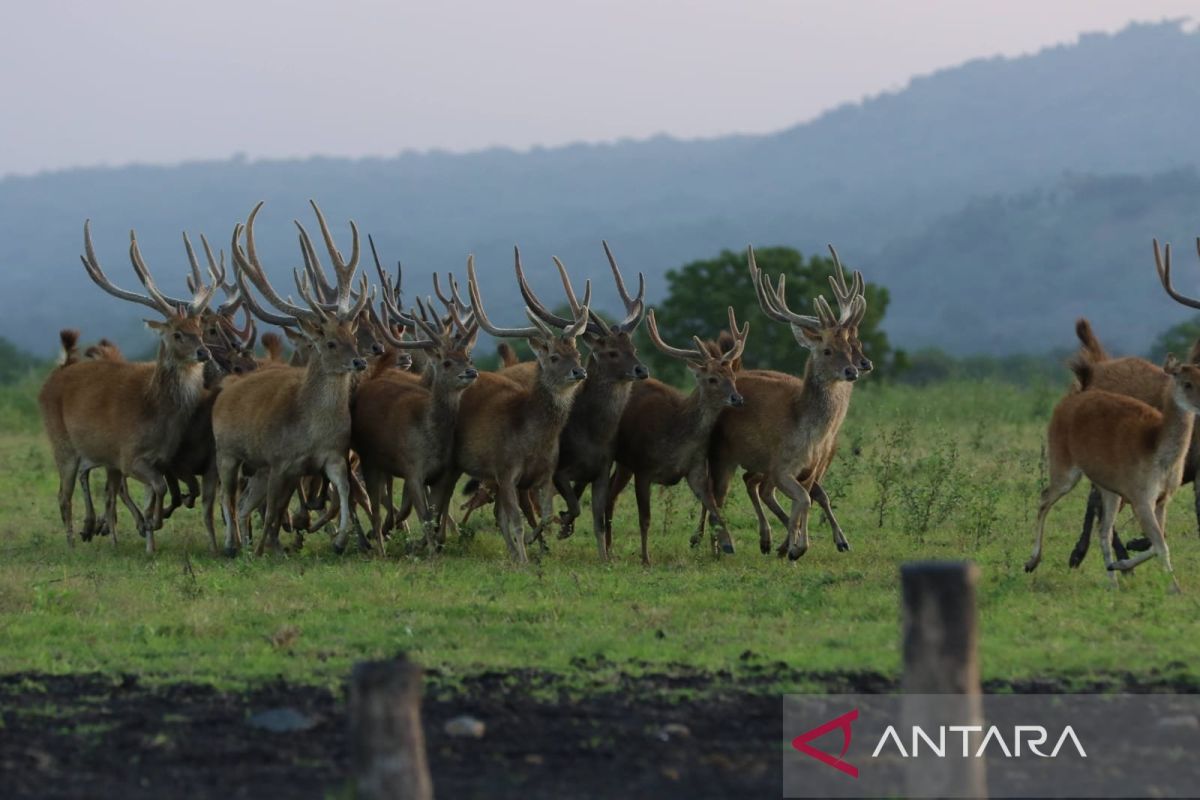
{"x":555,"y":350}
{"x":613,"y":355}
{"x":826,"y":336}
{"x":180,"y":333}
{"x":329,"y":331}
{"x":712,"y":368}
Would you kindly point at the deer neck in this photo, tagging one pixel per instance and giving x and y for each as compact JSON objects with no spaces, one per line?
{"x":822,"y":404}
{"x":697,"y":417}
{"x":550,"y":406}
{"x":442,"y":412}
{"x":1176,"y":434}
{"x":176,"y":385}
{"x":601,"y":401}
{"x":324,"y":391}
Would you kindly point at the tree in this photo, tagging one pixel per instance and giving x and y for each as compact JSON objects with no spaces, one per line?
{"x":698,"y":294}
{"x":1177,"y":339}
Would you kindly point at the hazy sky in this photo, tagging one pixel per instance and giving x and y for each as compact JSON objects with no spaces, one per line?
{"x":115,"y":81}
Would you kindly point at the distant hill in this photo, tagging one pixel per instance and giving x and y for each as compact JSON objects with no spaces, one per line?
{"x":1001,"y":145}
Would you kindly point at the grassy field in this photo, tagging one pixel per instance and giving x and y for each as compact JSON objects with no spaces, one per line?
{"x":952,"y":471}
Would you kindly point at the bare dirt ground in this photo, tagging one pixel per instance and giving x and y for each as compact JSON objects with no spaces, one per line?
{"x":682,"y":734}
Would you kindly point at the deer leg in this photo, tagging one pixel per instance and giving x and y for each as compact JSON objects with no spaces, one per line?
{"x":508,"y":514}
{"x":227,"y":477}
{"x":1107,"y":513}
{"x":541,"y":501}
{"x":374,"y":484}
{"x":279,"y":493}
{"x":1148,"y":518}
{"x":68,"y":469}
{"x":148,"y":475}
{"x":339,"y":475}
{"x":89,"y":528}
{"x":1061,"y":482}
{"x":112,"y":488}
{"x":389,"y":507}
{"x":641,"y":490}
{"x":754,"y":484}
{"x":122,"y":490}
{"x":567,"y":517}
{"x":719,"y":479}
{"x":252,"y":499}
{"x":416,"y":496}
{"x":599,"y":503}
{"x":1085,"y":536}
{"x":616,"y":484}
{"x":701,"y":487}
{"x":796,"y":543}
{"x":208,"y":496}
{"x":817,"y":492}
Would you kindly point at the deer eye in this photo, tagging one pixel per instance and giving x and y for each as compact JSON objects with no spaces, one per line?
{"x":1187,"y":384}
{"x":613,"y":354}
{"x":713,"y":381}
{"x":447,"y":364}
{"x":178,"y":336}
{"x":553,"y":359}
{"x":828,"y":351}
{"x":331,"y":344}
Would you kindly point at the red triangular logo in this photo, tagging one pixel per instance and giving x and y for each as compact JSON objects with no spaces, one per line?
{"x":841,"y":723}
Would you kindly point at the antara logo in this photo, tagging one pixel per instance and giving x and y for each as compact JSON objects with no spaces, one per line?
{"x":1031,"y":737}
{"x":841,"y":723}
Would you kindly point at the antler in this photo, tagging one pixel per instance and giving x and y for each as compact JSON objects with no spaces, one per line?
{"x":200,"y":296}
{"x":539,"y":328}
{"x":535,"y":305}
{"x":635,"y":307}
{"x":342,"y":270}
{"x":773,"y":300}
{"x":233,"y":292}
{"x":247,"y":265}
{"x":842,"y":293}
{"x":739,"y":338}
{"x":1164,"y":275}
{"x":92,"y":265}
{"x":699,"y":354}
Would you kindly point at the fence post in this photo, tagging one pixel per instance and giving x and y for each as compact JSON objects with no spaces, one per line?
{"x":387,"y":743}
{"x":941,"y":658}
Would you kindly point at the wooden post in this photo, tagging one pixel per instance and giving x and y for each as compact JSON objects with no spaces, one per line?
{"x":941,"y":658}
{"x":387,"y":743}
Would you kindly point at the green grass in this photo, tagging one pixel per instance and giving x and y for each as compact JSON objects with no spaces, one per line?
{"x":967,"y":469}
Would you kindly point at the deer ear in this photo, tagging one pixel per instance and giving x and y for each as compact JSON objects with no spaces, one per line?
{"x":1171,"y":366}
{"x":155,"y":325}
{"x":806,"y":336}
{"x":308,"y":329}
{"x":1193,"y":355}
{"x":468,"y":342}
{"x":537,"y":345}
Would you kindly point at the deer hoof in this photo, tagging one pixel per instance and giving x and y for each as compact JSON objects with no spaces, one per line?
{"x":727,"y":548}
{"x":764,"y":545}
{"x":102,"y":528}
{"x":795,"y":553}
{"x":1139,"y":545}
{"x":695,"y":540}
{"x":1032,"y":564}
{"x":843,"y":547}
{"x":1076,"y":558}
{"x":339,"y":548}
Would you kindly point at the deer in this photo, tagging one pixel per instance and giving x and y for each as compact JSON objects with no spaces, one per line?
{"x":1132,"y":450}
{"x":127,"y":417}
{"x":404,"y":429}
{"x":1138,"y":378}
{"x":587,"y":445}
{"x":788,"y":428}
{"x":291,"y":421}
{"x":508,"y":432}
{"x":758,"y":487}
{"x":663,"y":435}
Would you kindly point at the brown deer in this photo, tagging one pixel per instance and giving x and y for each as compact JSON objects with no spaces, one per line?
{"x":290,"y":421}
{"x":663,"y":436}
{"x":1137,"y":378}
{"x":1135,"y":451}
{"x":404,"y":429}
{"x":127,"y":418}
{"x":587,"y":445}
{"x":788,"y":428}
{"x":758,"y":487}
{"x":508,"y":431}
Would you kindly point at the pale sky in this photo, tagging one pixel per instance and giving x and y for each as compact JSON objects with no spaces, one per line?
{"x":160,"y":81}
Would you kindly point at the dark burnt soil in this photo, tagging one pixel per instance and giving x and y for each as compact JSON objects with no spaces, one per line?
{"x":683,"y":734}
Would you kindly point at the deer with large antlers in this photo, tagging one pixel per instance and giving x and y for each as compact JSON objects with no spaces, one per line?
{"x":788,"y":428}
{"x":587,"y":445}
{"x":291,"y":421}
{"x":1131,"y":450}
{"x":663,"y":435}
{"x":508,"y":431}
{"x":127,"y":417}
{"x":404,"y":429}
{"x":759,"y":487}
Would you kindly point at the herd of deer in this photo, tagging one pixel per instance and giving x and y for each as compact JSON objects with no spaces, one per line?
{"x":372,"y":393}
